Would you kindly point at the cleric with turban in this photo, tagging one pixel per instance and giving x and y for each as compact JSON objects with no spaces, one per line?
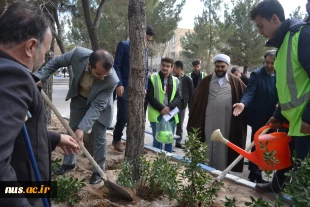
{"x":212,"y":109}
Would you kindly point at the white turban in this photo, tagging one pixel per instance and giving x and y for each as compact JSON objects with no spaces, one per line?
{"x":222,"y":58}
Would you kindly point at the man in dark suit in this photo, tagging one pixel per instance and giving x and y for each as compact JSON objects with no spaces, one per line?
{"x":260,"y":100}
{"x":187,"y":90}
{"x":122,"y":66}
{"x":91,"y":107}
{"x":24,"y":39}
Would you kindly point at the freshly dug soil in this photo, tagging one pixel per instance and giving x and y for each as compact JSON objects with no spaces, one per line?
{"x":100,"y":196}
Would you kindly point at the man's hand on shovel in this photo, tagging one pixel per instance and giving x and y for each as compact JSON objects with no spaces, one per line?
{"x":68,"y":144}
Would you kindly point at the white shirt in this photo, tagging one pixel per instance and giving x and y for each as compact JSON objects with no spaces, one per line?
{"x":221,"y":80}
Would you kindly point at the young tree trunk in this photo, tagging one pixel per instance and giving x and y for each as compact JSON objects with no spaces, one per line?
{"x":59,"y":37}
{"x":48,"y":86}
{"x":136,"y":118}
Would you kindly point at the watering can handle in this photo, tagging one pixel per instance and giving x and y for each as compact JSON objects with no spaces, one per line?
{"x":268,"y":127}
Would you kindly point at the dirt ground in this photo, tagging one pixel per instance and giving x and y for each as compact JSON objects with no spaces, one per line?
{"x":100,"y":196}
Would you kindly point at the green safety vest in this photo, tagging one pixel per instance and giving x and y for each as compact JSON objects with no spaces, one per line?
{"x":203,"y":74}
{"x":293,"y":84}
{"x":159,"y":95}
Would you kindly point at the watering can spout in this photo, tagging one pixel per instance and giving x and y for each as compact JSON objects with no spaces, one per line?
{"x":217,"y":136}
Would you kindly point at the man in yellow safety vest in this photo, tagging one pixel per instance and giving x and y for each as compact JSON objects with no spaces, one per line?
{"x":163,"y":95}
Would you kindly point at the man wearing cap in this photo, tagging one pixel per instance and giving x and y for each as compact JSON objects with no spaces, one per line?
{"x":212,"y":109}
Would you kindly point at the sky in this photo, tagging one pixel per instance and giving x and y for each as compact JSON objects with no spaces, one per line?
{"x":194,"y":8}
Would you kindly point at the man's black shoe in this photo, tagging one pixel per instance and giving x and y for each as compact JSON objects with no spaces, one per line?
{"x":178,"y":145}
{"x":110,"y":128}
{"x":256,"y":178}
{"x":63,"y":169}
{"x":95,"y":178}
{"x":261,"y":180}
{"x":267,"y":187}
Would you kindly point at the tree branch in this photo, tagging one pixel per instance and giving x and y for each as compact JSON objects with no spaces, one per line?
{"x":98,"y":14}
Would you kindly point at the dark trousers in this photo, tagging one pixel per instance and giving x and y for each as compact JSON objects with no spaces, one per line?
{"x":254,"y":170}
{"x":301,"y":145}
{"x":121,"y":118}
{"x":145,"y":107}
{"x":179,"y":131}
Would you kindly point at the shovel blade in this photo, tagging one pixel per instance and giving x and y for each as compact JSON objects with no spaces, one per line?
{"x":123,"y":192}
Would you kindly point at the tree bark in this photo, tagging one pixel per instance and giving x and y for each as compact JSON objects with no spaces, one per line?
{"x":48,"y":86}
{"x":92,"y":29}
{"x":136,"y":117}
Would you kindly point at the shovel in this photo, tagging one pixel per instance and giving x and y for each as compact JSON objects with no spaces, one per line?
{"x":121,"y":191}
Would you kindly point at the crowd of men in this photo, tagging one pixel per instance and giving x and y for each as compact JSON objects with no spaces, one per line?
{"x":277,"y":92}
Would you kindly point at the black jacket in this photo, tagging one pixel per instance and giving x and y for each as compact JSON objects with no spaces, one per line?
{"x":19,"y":94}
{"x":245,"y":79}
{"x":154,"y":102}
{"x":293,"y":25}
{"x":187,"y":91}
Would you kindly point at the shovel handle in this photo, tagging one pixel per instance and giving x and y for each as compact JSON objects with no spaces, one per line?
{"x":61,"y":119}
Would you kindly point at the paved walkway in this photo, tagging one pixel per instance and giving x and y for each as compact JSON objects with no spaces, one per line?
{"x":60,"y":92}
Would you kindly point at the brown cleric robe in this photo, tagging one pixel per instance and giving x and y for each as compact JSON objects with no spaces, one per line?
{"x":197,"y":113}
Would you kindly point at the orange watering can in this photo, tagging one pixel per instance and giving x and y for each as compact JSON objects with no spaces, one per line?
{"x":277,"y":141}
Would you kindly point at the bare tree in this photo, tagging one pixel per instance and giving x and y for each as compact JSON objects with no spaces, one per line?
{"x":136,"y":117}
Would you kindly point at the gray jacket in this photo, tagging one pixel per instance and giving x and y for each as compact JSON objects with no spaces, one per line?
{"x":100,"y":97}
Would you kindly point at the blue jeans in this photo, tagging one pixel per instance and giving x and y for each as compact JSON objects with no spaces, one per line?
{"x":156,"y":144}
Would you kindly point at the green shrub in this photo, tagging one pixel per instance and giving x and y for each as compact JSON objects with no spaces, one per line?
{"x":199,"y":187}
{"x":230,"y":202}
{"x":194,"y":186}
{"x":125,"y":177}
{"x":257,"y":203}
{"x":55,"y":164}
{"x":164,"y":176}
{"x":67,"y":187}
{"x":299,"y":187}
{"x":156,"y":178}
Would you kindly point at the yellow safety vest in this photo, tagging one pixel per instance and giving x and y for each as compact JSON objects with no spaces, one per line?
{"x":159,"y":95}
{"x":293,"y":84}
